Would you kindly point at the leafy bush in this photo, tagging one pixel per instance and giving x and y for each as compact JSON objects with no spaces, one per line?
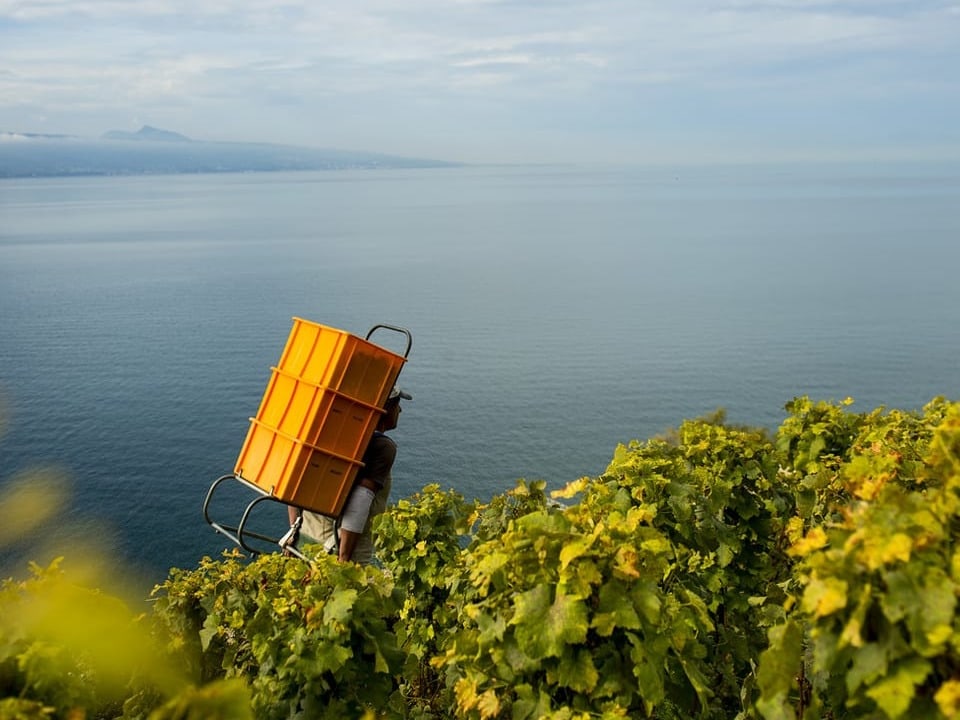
{"x":311,"y":640}
{"x":567,"y":615}
{"x":69,"y":651}
{"x":875,"y":632}
{"x":419,"y":541}
{"x":715,"y":572}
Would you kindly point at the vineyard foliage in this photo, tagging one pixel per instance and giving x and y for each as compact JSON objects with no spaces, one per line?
{"x":715,"y":572}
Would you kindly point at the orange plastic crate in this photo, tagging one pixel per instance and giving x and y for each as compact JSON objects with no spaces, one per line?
{"x":354,"y":367}
{"x":317,"y":415}
{"x":295,"y":472}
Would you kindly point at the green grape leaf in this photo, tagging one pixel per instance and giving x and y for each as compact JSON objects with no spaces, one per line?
{"x":332,"y":658}
{"x":528,"y":704}
{"x":698,"y":680}
{"x":725,"y":554}
{"x":931,"y":621}
{"x":544,"y":628}
{"x":572,"y":550}
{"x":779,"y":666}
{"x":902,"y":594}
{"x":869,"y":663}
{"x":207,"y":633}
{"x":646,"y":598}
{"x":491,"y":628}
{"x":578,"y":672}
{"x":492,"y":562}
{"x":339,"y":606}
{"x":648,"y":670}
{"x":614,"y":610}
{"x":894,"y":693}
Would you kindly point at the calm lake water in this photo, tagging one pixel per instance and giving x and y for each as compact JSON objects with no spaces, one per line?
{"x":555,"y":313}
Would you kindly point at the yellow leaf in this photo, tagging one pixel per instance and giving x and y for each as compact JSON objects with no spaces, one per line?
{"x":939,"y":635}
{"x":815,"y":539}
{"x":897,"y":548}
{"x":572,"y":488}
{"x":657,"y":545}
{"x":626,"y":563}
{"x":851,"y":634}
{"x":948,"y":699}
{"x":466,"y":692}
{"x":869,"y":487}
{"x":488,"y":705}
{"x":823,"y":597}
{"x":852,"y":631}
{"x":643,"y":514}
{"x":880,"y":551}
{"x":572,"y":550}
{"x":794,"y":529}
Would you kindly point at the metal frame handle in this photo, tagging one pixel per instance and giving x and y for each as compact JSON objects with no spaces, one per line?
{"x":402,"y":331}
{"x":238,"y":534}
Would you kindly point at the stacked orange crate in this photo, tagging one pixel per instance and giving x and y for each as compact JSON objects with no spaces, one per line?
{"x":317,"y":415}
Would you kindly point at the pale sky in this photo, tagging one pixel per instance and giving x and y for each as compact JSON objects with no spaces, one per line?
{"x":498,"y":80}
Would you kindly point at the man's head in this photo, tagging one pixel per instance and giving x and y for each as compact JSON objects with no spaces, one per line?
{"x":391,"y":408}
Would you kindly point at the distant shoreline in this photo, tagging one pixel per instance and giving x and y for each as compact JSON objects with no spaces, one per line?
{"x":34,"y":156}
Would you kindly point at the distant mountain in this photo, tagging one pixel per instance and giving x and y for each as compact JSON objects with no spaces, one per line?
{"x":152,"y":151}
{"x":146,"y":133}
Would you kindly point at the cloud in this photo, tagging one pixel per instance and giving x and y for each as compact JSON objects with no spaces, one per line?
{"x":501,"y":60}
{"x":682,"y":34}
{"x":440,"y":64}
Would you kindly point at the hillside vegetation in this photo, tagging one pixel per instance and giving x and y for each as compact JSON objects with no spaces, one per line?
{"x":715,"y":572}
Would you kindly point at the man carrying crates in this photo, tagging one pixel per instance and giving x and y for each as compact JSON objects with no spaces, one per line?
{"x":350,"y":537}
{"x":318,"y":442}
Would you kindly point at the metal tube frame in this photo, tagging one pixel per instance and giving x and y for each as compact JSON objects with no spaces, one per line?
{"x":238,"y":534}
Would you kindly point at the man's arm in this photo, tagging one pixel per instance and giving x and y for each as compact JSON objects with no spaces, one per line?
{"x":355,"y":517}
{"x":295,"y":515}
{"x":378,"y":460}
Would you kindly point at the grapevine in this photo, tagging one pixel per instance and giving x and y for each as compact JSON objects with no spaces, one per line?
{"x":716,"y":571}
